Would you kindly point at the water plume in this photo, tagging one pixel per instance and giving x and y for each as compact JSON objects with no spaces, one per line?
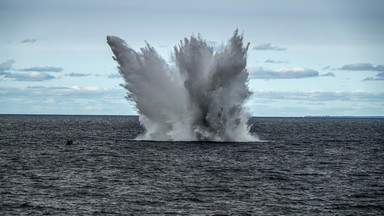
{"x":199,"y":97}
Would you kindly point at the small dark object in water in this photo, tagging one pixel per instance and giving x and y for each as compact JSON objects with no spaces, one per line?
{"x":69,"y":142}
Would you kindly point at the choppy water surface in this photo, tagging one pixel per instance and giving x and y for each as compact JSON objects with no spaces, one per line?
{"x":304,"y":167}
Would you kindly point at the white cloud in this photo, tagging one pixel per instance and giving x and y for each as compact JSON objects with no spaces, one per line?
{"x":358,"y":96}
{"x":64,"y":100}
{"x":63,"y":93}
{"x":76,"y":91}
{"x":49,"y":100}
{"x":282,"y":73}
{"x":32,"y":76}
{"x":35,"y":73}
{"x":55,"y":91}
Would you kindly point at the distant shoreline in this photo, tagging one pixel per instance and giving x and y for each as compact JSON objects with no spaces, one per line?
{"x":353,"y":117}
{"x":133,"y":116}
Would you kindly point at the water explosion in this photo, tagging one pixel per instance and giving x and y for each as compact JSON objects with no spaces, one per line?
{"x":200,"y":97}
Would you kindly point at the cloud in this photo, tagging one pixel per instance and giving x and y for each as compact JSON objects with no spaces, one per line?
{"x":66,"y":91}
{"x":5,"y":66}
{"x":282,"y":73}
{"x":44,"y":69}
{"x":273,"y":61}
{"x":63,"y":91}
{"x":329,"y":74}
{"x":373,"y":79}
{"x":379,"y":77}
{"x":64,"y":100}
{"x":362,"y":67}
{"x":268,"y":46}
{"x":28,"y":41}
{"x":77,"y":74}
{"x":358,"y":96}
{"x":35,"y":73}
{"x":366,"y":67}
{"x":114,"y":76}
{"x":32,"y":76}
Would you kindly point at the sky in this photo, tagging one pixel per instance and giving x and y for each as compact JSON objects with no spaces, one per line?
{"x":305,"y":57}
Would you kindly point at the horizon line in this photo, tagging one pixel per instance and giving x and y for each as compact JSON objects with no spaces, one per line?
{"x":127,"y":115}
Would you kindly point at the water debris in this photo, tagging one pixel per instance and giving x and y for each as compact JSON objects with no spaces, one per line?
{"x":198,"y":97}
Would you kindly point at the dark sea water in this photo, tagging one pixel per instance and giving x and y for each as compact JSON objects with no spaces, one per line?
{"x":304,"y":166}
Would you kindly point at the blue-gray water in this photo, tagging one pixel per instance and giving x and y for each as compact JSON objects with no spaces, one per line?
{"x":305,"y":166}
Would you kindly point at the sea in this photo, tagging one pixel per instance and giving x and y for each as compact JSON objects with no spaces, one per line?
{"x":300,"y":166}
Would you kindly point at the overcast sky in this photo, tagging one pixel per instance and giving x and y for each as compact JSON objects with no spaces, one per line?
{"x":322,"y":57}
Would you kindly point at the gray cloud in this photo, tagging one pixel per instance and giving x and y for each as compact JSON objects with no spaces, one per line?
{"x":273,"y":61}
{"x":362,"y":67}
{"x":366,"y":67}
{"x":77,"y":74}
{"x":35,"y":73}
{"x":373,"y":79}
{"x":282,"y":73}
{"x":379,"y":77}
{"x":114,"y":76}
{"x":330,"y":74}
{"x":6,"y":66}
{"x":320,"y":95}
{"x":268,"y":46}
{"x":28,"y":41}
{"x":44,"y":69}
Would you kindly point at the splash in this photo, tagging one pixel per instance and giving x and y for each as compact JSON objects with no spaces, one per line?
{"x":199,"y":97}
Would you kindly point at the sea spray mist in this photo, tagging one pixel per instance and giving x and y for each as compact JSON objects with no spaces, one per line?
{"x":199,"y":97}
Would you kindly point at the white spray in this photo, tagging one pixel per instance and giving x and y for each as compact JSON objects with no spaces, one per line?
{"x":200,"y":97}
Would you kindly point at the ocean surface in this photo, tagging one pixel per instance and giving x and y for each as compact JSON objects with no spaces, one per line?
{"x":303,"y":166}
